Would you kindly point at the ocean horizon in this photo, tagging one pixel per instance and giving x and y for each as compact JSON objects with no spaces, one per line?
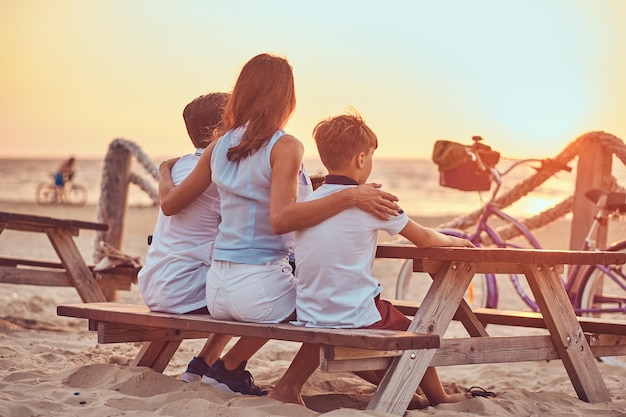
{"x":414,"y":180}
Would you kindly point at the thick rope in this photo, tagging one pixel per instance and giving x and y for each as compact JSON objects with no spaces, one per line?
{"x":143,"y":183}
{"x":609,"y":141}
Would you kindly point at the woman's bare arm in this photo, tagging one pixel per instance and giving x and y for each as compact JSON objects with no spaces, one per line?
{"x":287,"y":215}
{"x":175,"y":198}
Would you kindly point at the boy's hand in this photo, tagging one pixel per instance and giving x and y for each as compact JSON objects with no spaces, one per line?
{"x":380,"y":203}
{"x":457,"y":241}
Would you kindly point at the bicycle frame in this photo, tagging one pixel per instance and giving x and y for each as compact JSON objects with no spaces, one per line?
{"x":476,"y":236}
{"x":579,"y":284}
{"x":483,"y":228}
{"x":615,"y":274}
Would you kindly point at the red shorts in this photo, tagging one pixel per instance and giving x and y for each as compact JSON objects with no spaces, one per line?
{"x":391,"y":317}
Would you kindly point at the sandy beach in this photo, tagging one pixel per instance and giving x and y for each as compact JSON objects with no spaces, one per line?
{"x":53,"y":366}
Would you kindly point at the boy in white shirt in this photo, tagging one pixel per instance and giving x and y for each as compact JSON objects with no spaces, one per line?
{"x":335,"y":287}
{"x":173,"y":279}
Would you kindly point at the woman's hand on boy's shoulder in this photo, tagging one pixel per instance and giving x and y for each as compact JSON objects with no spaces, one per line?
{"x":371,"y":199}
{"x":168,"y":164}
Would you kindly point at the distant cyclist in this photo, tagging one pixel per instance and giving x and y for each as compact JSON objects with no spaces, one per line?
{"x":64,"y":174}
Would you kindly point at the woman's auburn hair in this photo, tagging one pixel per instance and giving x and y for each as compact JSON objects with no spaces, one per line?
{"x":263,"y":98}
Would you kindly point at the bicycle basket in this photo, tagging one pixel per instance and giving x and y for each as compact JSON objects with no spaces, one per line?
{"x":457,"y":169}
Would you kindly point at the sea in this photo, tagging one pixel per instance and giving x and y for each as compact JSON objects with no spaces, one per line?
{"x":414,"y":180}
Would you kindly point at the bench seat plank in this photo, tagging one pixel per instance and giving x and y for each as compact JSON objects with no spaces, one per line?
{"x":525,"y":318}
{"x":141,"y":317}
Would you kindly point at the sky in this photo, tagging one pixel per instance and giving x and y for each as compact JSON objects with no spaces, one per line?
{"x":529,"y":76}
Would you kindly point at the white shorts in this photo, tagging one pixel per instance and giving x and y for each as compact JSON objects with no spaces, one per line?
{"x":253,"y":293}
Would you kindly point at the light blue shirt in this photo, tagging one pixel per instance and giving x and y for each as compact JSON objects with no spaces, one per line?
{"x":245,"y":233}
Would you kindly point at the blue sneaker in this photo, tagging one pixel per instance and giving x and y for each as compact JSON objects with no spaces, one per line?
{"x":196,"y":368}
{"x":238,"y":380}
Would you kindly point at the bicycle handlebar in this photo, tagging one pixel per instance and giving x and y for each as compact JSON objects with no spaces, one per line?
{"x":546,"y":162}
{"x":556,"y":164}
{"x":496,"y":176}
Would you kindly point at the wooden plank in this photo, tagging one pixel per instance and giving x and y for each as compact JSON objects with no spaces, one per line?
{"x":395,"y":391}
{"x":598,"y":339}
{"x":114,"y":193}
{"x":524,"y":318}
{"x":121,"y":333}
{"x":593,"y":171}
{"x":56,"y":278}
{"x":474,"y":327}
{"x":30,"y":262}
{"x":566,"y":333}
{"x":140,"y":316}
{"x":75,"y":266}
{"x":129,"y":272}
{"x":52,"y":278}
{"x":465,"y":351}
{"x":156,"y":355}
{"x":432,"y":266}
{"x":30,"y":222}
{"x":501,"y":256}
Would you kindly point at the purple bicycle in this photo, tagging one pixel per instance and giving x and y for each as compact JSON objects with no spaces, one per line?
{"x":597,"y":290}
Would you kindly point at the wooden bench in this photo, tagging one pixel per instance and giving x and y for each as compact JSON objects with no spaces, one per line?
{"x":163,"y":332}
{"x":72,"y":270}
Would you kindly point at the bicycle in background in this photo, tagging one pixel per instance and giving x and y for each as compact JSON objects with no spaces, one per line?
{"x":600,"y":291}
{"x":71,"y":193}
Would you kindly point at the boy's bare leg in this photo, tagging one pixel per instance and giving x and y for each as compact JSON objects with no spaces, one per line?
{"x":375,"y":377}
{"x":213,"y":347}
{"x":241,"y":351}
{"x":434,"y":391}
{"x":289,"y":388}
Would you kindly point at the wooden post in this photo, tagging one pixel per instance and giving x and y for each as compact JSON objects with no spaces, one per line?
{"x":594,"y":171}
{"x":114,"y":194}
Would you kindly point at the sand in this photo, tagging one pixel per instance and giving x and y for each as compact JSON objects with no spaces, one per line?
{"x":53,"y":366}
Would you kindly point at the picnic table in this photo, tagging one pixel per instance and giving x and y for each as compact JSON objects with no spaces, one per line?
{"x":452,"y":270}
{"x":407,"y":355}
{"x":72,"y":270}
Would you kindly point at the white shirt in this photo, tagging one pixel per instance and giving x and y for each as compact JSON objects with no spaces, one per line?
{"x":335,"y":287}
{"x":173,"y":279}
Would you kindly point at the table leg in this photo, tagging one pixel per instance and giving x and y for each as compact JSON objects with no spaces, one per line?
{"x":75,"y":265}
{"x":156,"y":354}
{"x":566,"y":333}
{"x":434,"y":316}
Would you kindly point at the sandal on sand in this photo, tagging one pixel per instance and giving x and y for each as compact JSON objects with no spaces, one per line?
{"x":481,"y":392}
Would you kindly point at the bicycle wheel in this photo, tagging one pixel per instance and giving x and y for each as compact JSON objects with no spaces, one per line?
{"x":77,"y":195}
{"x":413,"y":286}
{"x":602,"y":293}
{"x":46,"y":194}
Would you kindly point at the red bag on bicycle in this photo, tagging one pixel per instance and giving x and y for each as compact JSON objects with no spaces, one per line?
{"x":457,"y":168}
